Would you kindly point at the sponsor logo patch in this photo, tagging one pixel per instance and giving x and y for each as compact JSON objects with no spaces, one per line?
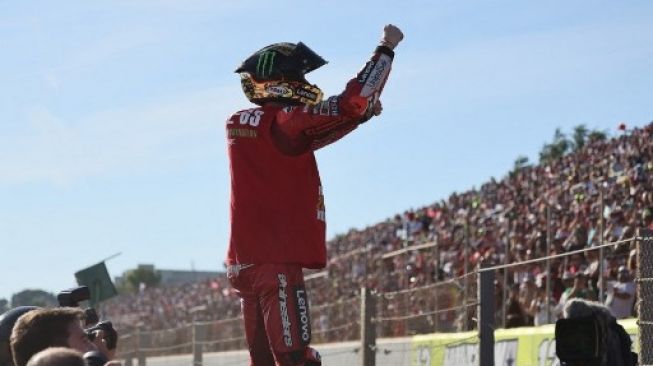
{"x":279,"y":90}
{"x":306,"y":94}
{"x":303,"y":318}
{"x":362,"y":76}
{"x":377,"y":74}
{"x":466,"y":354}
{"x":264,"y":64}
{"x":242,"y":132}
{"x":283,"y":308}
{"x":334,"y":108}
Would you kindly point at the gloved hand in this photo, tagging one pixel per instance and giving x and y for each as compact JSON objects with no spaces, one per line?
{"x":391,"y":36}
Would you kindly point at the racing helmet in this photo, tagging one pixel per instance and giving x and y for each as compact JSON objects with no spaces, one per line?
{"x":276,"y":74}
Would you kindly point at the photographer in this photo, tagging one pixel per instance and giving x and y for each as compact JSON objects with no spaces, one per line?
{"x":101,"y":333}
{"x":57,"y":327}
{"x":590,"y":336}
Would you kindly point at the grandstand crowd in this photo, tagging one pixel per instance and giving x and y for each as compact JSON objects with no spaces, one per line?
{"x":600,"y":193}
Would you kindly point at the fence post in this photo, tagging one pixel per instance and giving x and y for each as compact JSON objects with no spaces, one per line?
{"x":128,"y":356}
{"x":466,"y":244}
{"x":436,"y":316}
{"x":645,"y":293}
{"x":601,"y":280}
{"x":504,"y":290}
{"x":486,"y":316}
{"x":140,"y":355}
{"x":197,"y":338}
{"x":368,"y":331}
{"x":549,"y":244}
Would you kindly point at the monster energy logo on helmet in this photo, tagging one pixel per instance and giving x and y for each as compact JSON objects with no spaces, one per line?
{"x":265,"y":63}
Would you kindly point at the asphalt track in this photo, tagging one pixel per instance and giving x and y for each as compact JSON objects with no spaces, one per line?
{"x":390,"y":352}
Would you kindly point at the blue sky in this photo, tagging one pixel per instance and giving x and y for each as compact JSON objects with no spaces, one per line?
{"x":112,"y":113}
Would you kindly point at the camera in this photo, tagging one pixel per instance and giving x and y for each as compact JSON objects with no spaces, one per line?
{"x":590,"y":336}
{"x":72,"y":298}
{"x":578,"y":341}
{"x":110,"y":334}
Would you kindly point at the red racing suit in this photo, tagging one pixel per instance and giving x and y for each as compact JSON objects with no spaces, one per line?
{"x":277,"y":207}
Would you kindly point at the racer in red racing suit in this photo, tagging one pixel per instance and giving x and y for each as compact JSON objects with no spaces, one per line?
{"x":277,"y":206}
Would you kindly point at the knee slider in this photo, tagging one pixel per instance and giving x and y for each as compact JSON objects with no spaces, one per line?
{"x":305,"y":357}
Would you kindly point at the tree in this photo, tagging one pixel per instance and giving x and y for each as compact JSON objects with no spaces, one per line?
{"x":597,"y":135}
{"x":579,"y":137}
{"x":33,"y":298}
{"x":146,"y":275}
{"x":520,"y":163}
{"x":556,"y":149}
{"x":4,"y":305}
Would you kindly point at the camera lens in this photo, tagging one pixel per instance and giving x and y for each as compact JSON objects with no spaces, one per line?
{"x":90,"y":335}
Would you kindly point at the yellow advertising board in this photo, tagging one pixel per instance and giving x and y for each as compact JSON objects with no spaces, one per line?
{"x":527,"y":346}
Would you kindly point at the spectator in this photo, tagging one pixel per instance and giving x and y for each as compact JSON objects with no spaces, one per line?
{"x":647,"y":218}
{"x":527,"y":293}
{"x":541,"y":312}
{"x":593,"y":269}
{"x":57,"y":356}
{"x":579,"y":290}
{"x":621,"y":295}
{"x":515,"y":315}
{"x":43,"y":328}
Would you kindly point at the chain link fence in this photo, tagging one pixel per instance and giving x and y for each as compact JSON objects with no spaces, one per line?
{"x":438,"y":307}
{"x":331,"y":322}
{"x":645,"y":292}
{"x":450,"y":305}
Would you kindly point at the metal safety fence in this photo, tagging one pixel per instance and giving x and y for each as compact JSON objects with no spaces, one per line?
{"x":449,"y":305}
{"x":331,"y":322}
{"x":645,"y":293}
{"x":610,"y":266}
{"x":437,"y":307}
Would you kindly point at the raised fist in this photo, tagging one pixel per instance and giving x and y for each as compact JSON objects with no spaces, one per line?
{"x":391,"y":36}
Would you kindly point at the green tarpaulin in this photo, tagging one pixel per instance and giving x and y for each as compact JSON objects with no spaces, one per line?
{"x":97,"y":279}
